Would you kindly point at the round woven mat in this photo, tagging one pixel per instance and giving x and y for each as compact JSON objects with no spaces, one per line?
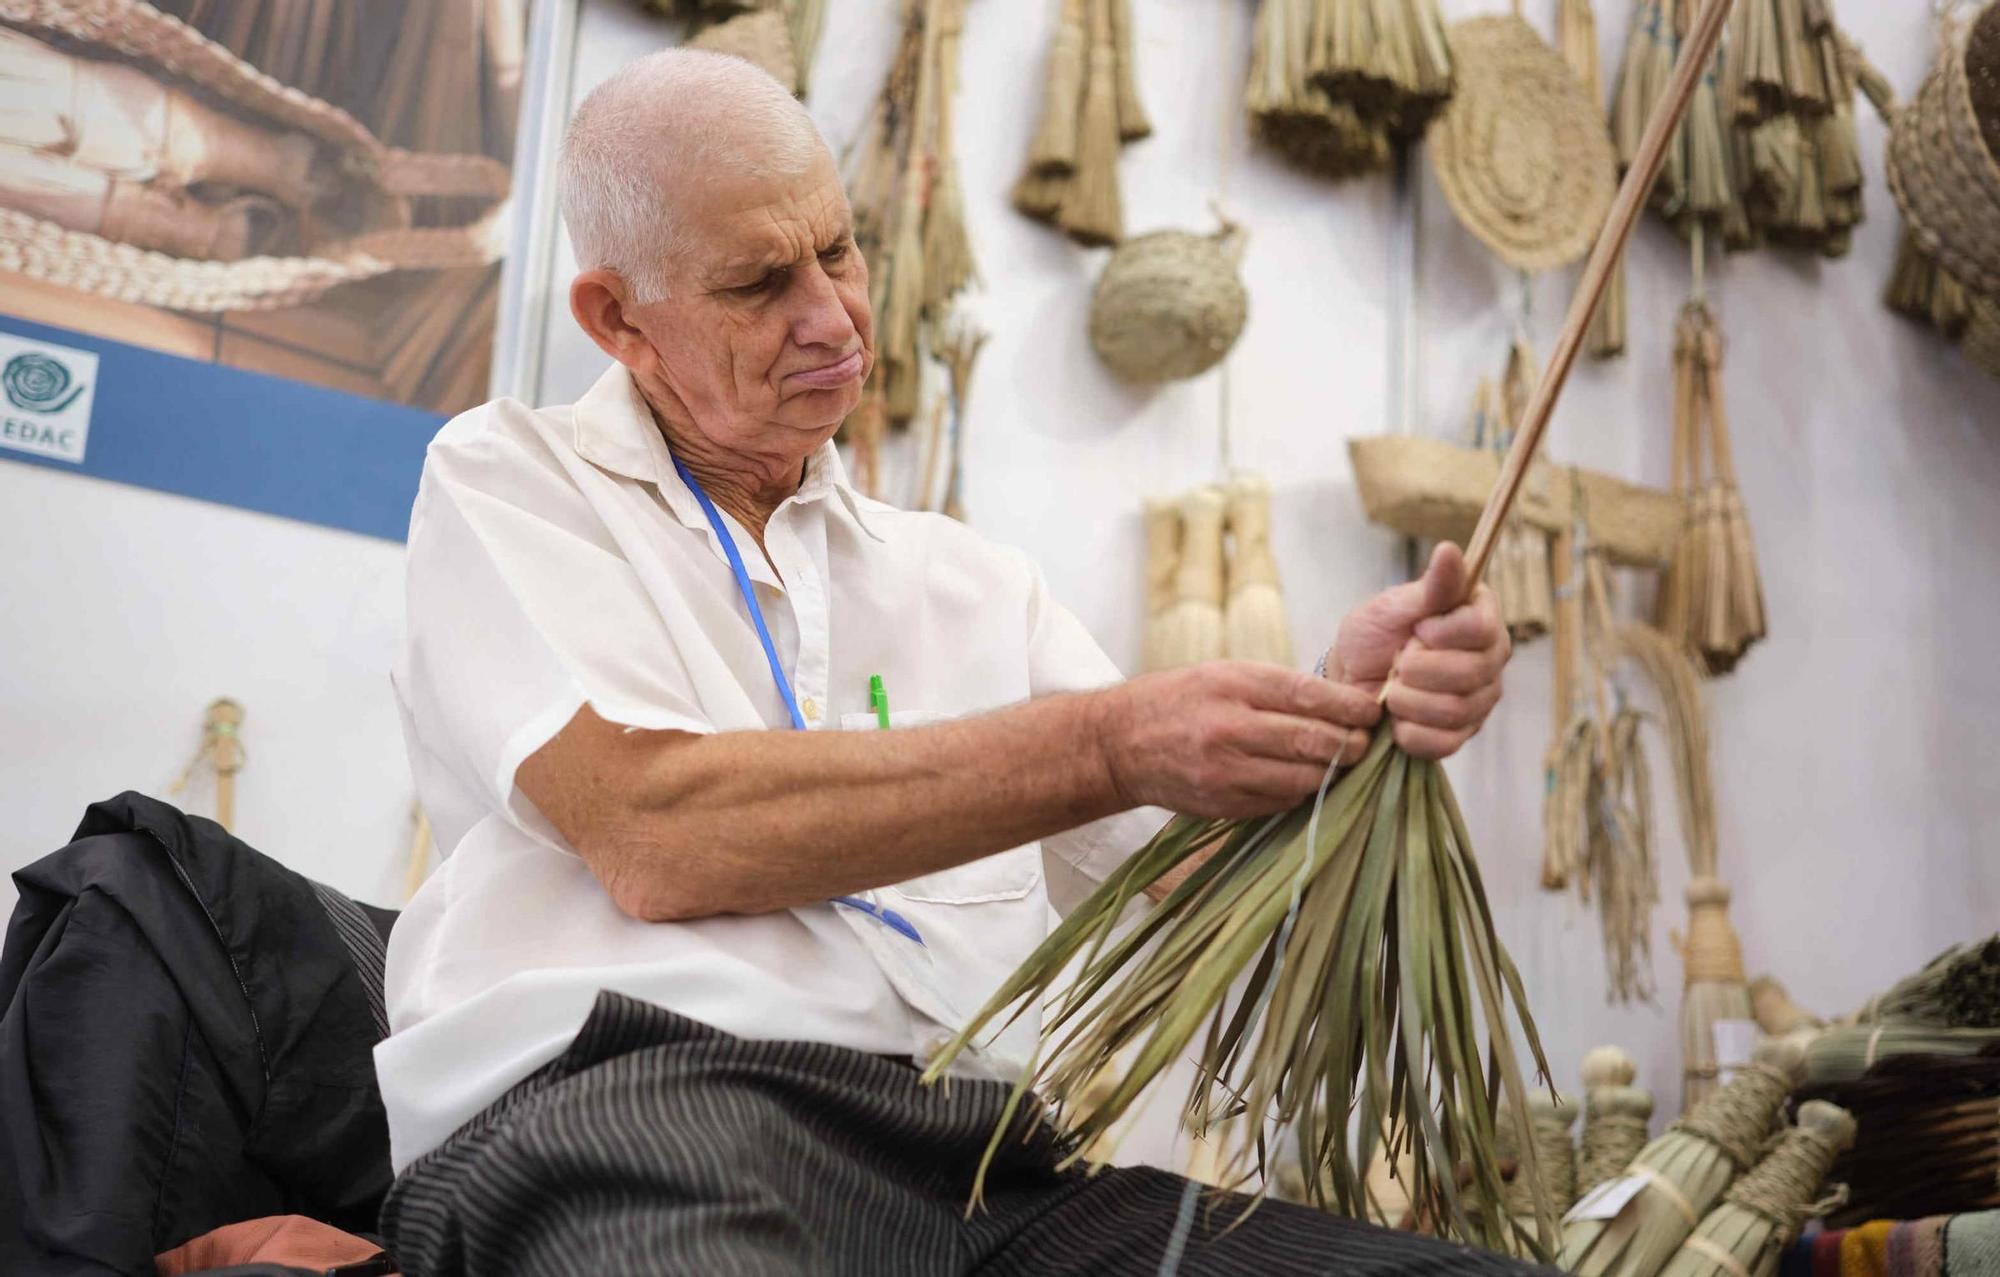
{"x":1169,"y":305}
{"x":1522,"y":151}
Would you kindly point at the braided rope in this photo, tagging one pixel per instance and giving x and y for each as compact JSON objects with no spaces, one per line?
{"x":1736,"y":1118}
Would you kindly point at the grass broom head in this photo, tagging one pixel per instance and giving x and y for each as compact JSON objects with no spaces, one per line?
{"x":1162,"y":521}
{"x":1053,"y":150}
{"x":1687,"y":1169}
{"x":1132,"y":122}
{"x":1960,"y":988}
{"x":1848,"y":1052}
{"x":1767,"y":1209}
{"x":1716,"y":987}
{"x":1092,"y":212}
{"x":1254,"y":624}
{"x":1191,"y":627}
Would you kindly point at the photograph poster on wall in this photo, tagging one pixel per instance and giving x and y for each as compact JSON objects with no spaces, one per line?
{"x":286,"y":210}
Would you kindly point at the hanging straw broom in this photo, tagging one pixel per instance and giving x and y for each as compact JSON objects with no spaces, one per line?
{"x":1052,"y":153}
{"x":1615,"y":1113}
{"x":1685,"y":1172}
{"x":1132,"y":122}
{"x":1091,"y":211}
{"x":1764,"y":1212}
{"x":1254,"y":624}
{"x":1191,"y":628}
{"x":948,"y":262}
{"x":1359,"y":918}
{"x":1163,"y":556}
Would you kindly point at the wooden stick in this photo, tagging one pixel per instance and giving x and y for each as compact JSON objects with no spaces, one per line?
{"x":1694,"y":59}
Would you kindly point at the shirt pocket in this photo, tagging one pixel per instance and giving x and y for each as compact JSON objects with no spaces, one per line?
{"x":1006,"y":875}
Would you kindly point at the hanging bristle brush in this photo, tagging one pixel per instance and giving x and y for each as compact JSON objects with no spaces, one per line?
{"x":1191,"y":629}
{"x":1254,"y":624}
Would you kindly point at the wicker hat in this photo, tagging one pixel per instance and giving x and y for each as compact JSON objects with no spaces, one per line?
{"x":1169,"y":305}
{"x":1522,"y":151}
{"x":1944,"y":175}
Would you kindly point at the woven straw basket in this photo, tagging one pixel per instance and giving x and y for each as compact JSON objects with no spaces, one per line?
{"x":1943,"y":174}
{"x":1435,"y":490}
{"x":1169,"y":305}
{"x":1522,"y":152}
{"x":174,"y":52}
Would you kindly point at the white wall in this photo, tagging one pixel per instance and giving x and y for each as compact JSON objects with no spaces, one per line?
{"x":1850,"y":746}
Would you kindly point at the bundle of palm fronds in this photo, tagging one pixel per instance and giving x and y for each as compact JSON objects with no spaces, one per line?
{"x":909,"y":218}
{"x":1711,"y":596}
{"x":1960,"y":988}
{"x":1765,"y":1211}
{"x":1684,"y":1172}
{"x":1356,"y":921}
{"x":1929,"y":1141}
{"x":1846,"y":1052}
{"x":1090,"y":109}
{"x":1335,"y":83}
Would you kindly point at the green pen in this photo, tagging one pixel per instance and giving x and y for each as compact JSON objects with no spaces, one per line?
{"x":878,"y":698}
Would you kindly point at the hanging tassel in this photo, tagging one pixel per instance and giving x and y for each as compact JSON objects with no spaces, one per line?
{"x":1191,"y":629}
{"x":1055,"y":143}
{"x":1132,"y":122}
{"x":1091,"y":211}
{"x":1254,"y":625}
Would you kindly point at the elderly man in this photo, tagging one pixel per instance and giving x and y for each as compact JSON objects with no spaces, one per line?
{"x":661,"y":1008}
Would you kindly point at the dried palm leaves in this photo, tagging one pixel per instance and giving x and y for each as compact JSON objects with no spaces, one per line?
{"x":1334,"y":82}
{"x":1090,"y":109}
{"x":909,"y":219}
{"x":1711,"y":596}
{"x":1358,"y":920}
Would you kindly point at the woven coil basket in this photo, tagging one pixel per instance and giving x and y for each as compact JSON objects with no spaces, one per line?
{"x":1435,"y":490}
{"x":172,"y":51}
{"x":1169,"y":304}
{"x":1522,"y":151}
{"x":1942,"y":172}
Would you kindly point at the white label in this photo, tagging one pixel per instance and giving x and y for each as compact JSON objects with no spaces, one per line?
{"x":45,"y":396}
{"x":1607,"y":1199}
{"x":1735,"y":1041}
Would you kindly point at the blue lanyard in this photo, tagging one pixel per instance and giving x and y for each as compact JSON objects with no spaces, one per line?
{"x":888,"y":917}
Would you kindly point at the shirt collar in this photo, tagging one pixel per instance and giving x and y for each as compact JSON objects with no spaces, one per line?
{"x":615,"y":431}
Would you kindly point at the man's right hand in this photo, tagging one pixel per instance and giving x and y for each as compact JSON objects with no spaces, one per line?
{"x":1229,"y":738}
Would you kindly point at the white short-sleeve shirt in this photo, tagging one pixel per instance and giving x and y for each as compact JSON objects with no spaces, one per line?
{"x":556,"y":559}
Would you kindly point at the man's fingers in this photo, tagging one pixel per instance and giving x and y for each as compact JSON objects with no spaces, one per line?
{"x":1284,"y":738}
{"x":1440,"y":709}
{"x":1443,"y":580}
{"x":1290,"y":692}
{"x":1419,"y":741}
{"x":1471,"y":628}
{"x":1456,"y":673}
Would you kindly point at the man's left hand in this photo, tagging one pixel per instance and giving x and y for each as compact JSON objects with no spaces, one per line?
{"x":1447,"y":657}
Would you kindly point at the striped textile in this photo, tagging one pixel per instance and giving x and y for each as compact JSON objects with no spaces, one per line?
{"x":656,"y":1144}
{"x":365,"y":946}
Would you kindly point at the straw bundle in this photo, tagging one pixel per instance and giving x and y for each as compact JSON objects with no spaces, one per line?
{"x":1191,"y":627}
{"x":1960,"y":988}
{"x":1162,"y":521}
{"x":1789,"y":97}
{"x":1254,"y":625}
{"x":1686,"y":1171}
{"x":1765,"y":1211}
{"x":1711,"y":595}
{"x":1359,"y":920}
{"x":957,"y":342}
{"x":1549,"y":1123}
{"x":1847,"y":1052}
{"x":1775,"y":1012}
{"x":1388,"y":59}
{"x":1520,"y":581}
{"x":1090,"y":109}
{"x":909,"y":216}
{"x":1292,"y":112}
{"x":1929,"y":1140}
{"x":1615,"y":1114}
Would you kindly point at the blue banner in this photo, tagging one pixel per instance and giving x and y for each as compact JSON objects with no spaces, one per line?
{"x":208,"y":431}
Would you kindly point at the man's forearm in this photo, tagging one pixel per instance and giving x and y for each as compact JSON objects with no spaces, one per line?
{"x":749,"y":822}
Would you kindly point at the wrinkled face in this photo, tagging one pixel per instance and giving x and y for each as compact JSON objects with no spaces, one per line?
{"x":765,"y":335}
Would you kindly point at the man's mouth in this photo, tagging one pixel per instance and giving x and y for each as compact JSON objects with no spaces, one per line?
{"x":830,"y":376}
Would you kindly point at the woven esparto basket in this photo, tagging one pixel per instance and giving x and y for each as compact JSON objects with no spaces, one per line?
{"x":1435,"y":490}
{"x":1943,"y":175}
{"x":1169,"y":305}
{"x":1521,"y":150}
{"x":172,"y":50}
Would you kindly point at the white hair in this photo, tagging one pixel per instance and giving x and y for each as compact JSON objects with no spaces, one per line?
{"x":658,"y":127}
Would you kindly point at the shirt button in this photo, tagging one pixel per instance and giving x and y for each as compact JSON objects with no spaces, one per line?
{"x":810,"y":708}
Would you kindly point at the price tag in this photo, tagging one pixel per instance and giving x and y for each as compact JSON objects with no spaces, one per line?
{"x":1607,"y":1199}
{"x":1734,"y":1041}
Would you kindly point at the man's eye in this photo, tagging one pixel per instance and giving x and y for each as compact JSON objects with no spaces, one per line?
{"x":837,"y":253}
{"x":757,"y":288}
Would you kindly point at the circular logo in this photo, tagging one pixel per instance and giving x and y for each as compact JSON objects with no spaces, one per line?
{"x":38,"y":383}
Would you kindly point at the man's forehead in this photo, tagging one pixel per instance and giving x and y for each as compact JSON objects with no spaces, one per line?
{"x":770,"y":229}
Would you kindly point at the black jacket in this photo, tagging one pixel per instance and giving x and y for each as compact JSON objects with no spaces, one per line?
{"x":185,"y":1042}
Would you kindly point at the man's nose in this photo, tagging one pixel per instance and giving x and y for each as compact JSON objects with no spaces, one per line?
{"x":821,"y":318}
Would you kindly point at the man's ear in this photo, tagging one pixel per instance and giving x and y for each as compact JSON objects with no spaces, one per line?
{"x":600,"y":300}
